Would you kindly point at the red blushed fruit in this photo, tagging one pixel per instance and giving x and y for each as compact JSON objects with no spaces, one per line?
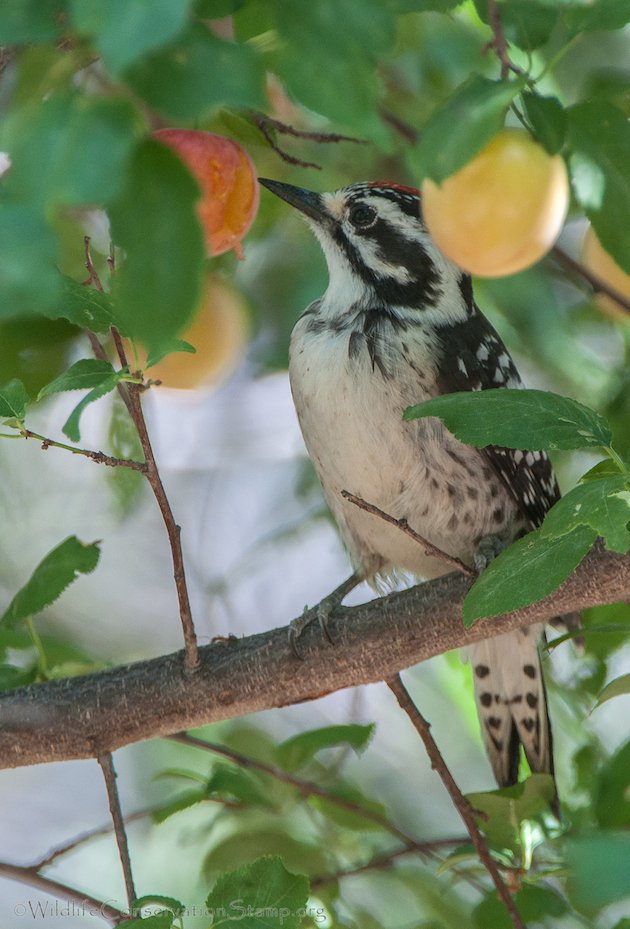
{"x":227,"y":178}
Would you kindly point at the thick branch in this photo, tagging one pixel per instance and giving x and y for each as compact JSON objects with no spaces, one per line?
{"x":84,"y":716}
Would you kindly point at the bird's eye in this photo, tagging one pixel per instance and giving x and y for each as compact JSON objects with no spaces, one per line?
{"x":362,"y":216}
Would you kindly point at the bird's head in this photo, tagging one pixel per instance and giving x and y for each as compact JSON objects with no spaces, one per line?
{"x":376,"y":245}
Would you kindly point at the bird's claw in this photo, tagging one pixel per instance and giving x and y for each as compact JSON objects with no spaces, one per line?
{"x":487,"y":550}
{"x":320,"y":614}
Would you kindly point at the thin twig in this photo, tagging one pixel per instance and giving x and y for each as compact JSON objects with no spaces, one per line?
{"x":305,"y":788}
{"x":84,"y":903}
{"x":403,"y":525}
{"x":381,"y":862}
{"x":462,"y":805}
{"x":499,"y":43}
{"x":404,"y":129}
{"x":289,"y":159}
{"x":173,"y":531}
{"x":93,"y":278}
{"x":109,"y":774}
{"x":130,"y":394}
{"x":596,"y":283}
{"x":313,"y":136}
{"x":98,"y":457}
{"x":266,"y":125}
{"x":59,"y":850}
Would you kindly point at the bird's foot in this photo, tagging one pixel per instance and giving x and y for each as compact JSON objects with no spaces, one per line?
{"x":487,"y":550}
{"x":321,"y":614}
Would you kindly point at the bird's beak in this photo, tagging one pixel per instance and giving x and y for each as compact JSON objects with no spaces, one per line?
{"x":306,"y":201}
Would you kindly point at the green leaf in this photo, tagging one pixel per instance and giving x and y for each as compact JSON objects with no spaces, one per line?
{"x":297,"y":751}
{"x":155,"y":221}
{"x":24,"y":21}
{"x":260,"y":895}
{"x":69,"y":149}
{"x":604,"y":468}
{"x":347,"y":818}
{"x":29,"y":281}
{"x":598,"y":869}
{"x":612,"y":795}
{"x":11,"y":677}
{"x":182,"y":801}
{"x":272,"y":838}
{"x":533,"y":902}
{"x":423,"y":6}
{"x":14,"y":400}
{"x":332,"y":44}
{"x":126,"y":484}
{"x":162,"y":920}
{"x":604,"y":505}
{"x":125,"y":30}
{"x":598,"y":14}
{"x":599,"y":140}
{"x":526,"y":419}
{"x":198,"y":73}
{"x":71,"y":425}
{"x":85,"y":307}
{"x":217,"y":9}
{"x":82,"y":375}
{"x":54,"y":573}
{"x":616,"y":688}
{"x":508,"y":807}
{"x":169,"y":903}
{"x":529,"y":570}
{"x":175,"y":345}
{"x":230,"y":783}
{"x":548,"y":120}
{"x":463,"y":125}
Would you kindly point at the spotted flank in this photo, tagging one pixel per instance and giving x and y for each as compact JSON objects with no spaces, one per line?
{"x":511,"y":702}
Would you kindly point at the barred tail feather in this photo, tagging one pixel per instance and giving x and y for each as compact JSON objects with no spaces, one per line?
{"x":512,"y":704}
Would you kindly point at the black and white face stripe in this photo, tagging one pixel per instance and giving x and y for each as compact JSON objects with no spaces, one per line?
{"x":388,"y":254}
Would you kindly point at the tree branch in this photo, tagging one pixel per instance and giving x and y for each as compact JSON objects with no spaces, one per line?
{"x":109,"y":775}
{"x":98,"y":457}
{"x":596,"y":284}
{"x":85,"y":905}
{"x":460,"y":802}
{"x":81,"y":717}
{"x":499,"y":43}
{"x":130,"y":394}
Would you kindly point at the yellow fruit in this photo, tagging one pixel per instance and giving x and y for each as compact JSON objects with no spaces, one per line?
{"x":597,"y":260}
{"x":219,"y":331}
{"x":503,"y":210}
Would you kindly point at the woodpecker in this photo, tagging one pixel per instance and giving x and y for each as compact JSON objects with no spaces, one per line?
{"x":398,"y":324}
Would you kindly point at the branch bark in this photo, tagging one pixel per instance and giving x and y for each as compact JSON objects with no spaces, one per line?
{"x":86,"y":716}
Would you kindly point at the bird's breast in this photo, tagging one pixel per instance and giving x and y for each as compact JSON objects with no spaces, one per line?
{"x":350,"y":397}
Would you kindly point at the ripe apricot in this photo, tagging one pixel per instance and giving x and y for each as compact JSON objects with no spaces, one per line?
{"x":219,"y":332}
{"x":502,"y":211}
{"x":597,"y":259}
{"x":227,"y":178}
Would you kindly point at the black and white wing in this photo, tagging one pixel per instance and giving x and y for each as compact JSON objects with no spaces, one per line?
{"x":475,"y":358}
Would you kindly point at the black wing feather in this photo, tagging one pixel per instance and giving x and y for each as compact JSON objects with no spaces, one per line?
{"x":475,"y":358}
